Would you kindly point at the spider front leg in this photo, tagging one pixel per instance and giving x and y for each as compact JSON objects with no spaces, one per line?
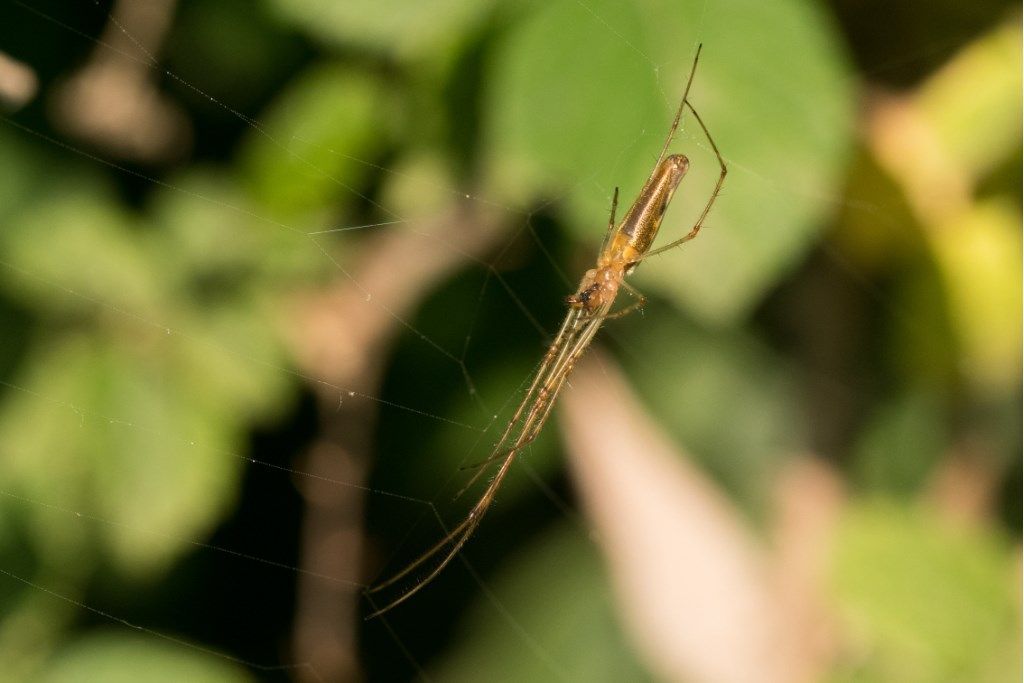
{"x":611,"y":221}
{"x":723,"y":170}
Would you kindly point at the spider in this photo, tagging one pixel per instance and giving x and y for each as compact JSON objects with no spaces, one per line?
{"x":625,"y":246}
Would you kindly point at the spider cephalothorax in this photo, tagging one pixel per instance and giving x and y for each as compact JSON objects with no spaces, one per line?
{"x":598,"y":286}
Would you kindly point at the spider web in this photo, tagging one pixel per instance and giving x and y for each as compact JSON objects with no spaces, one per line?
{"x":412,"y":319}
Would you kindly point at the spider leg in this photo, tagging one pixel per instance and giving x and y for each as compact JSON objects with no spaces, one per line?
{"x":611,"y":221}
{"x":714,"y":195}
{"x":639,"y":303}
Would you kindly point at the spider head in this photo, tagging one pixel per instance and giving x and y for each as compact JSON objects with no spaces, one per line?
{"x":587,"y":297}
{"x":598,"y":287}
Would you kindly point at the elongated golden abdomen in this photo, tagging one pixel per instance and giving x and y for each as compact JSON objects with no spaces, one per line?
{"x":640,"y":226}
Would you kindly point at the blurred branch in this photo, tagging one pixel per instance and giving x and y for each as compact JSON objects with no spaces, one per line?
{"x":696,"y":591}
{"x":114,"y":102}
{"x":809,"y":499}
{"x":18,"y":82}
{"x":342,"y":337}
{"x":965,"y":484}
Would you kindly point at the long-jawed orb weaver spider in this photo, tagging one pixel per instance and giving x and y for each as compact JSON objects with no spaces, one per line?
{"x":624,"y":247}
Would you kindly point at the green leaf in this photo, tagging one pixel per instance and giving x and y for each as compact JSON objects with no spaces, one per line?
{"x":234,"y":51}
{"x":310,"y":149}
{"x":902,"y":442}
{"x":723,"y":395}
{"x":779,"y":107}
{"x":164,"y":471}
{"x":924,"y":602}
{"x":557,"y":593}
{"x":973,"y":102}
{"x":456,"y":447}
{"x":221,"y":240}
{"x":45,"y":431}
{"x":116,"y":658}
{"x":104,"y":430}
{"x":21,"y":171}
{"x":33,"y":621}
{"x":555,"y":128}
{"x":75,"y":251}
{"x":398,"y":27}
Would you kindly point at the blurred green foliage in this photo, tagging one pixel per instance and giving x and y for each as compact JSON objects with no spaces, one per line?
{"x":116,"y":658}
{"x":545,"y":131}
{"x":925,"y":602}
{"x":581,"y":641}
{"x":143,"y":311}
